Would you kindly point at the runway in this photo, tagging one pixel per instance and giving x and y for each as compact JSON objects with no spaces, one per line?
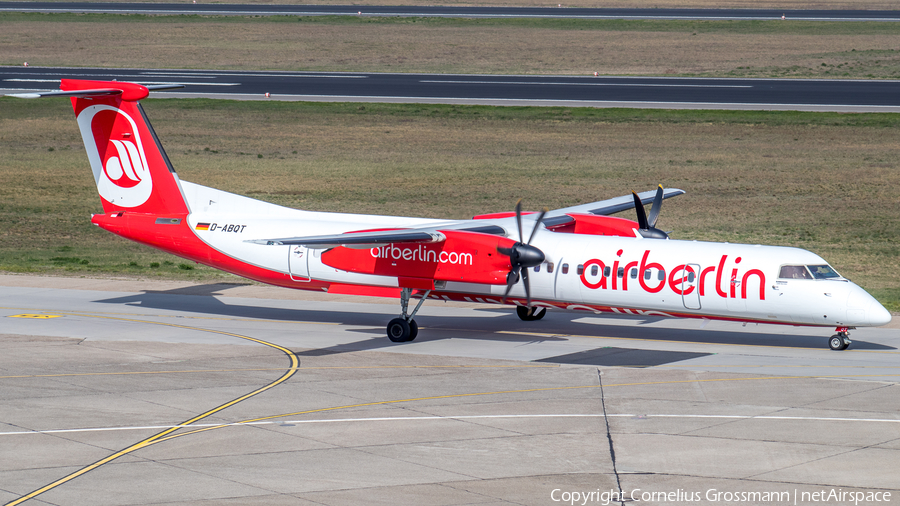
{"x":565,"y":91}
{"x":137,"y":392}
{"x":445,"y":11}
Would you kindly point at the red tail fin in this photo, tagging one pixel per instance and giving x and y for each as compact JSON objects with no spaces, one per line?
{"x":131,"y":169}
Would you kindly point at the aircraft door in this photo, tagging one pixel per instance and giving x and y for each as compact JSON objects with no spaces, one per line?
{"x":690,"y":290}
{"x":298,"y":263}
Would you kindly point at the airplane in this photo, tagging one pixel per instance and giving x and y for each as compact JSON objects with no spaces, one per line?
{"x":576,"y":258}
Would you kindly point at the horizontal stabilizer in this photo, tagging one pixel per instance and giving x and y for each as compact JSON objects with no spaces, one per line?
{"x":100,"y":92}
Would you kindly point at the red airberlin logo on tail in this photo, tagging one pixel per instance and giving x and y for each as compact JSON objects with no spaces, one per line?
{"x":120,"y":169}
{"x":117,"y":157}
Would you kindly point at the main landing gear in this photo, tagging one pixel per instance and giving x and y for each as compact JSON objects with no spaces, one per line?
{"x":530,"y":313}
{"x":841,"y":340}
{"x":400,"y":330}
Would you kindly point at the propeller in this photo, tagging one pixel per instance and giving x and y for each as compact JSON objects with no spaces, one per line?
{"x":523,"y":255}
{"x":647,"y":226}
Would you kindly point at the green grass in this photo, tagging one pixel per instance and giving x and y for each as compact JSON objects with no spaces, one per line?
{"x":778,"y":48}
{"x":820,"y":181}
{"x":764,"y":27}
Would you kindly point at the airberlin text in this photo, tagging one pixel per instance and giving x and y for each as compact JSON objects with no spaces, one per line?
{"x":422,"y":254}
{"x":712,"y":495}
{"x":682,"y":279}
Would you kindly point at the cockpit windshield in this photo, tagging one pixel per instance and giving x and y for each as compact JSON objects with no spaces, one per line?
{"x":794,"y":272}
{"x":807,"y":272}
{"x":823,"y":272}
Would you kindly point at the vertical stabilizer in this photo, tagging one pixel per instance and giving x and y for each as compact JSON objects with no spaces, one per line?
{"x":130,"y":168}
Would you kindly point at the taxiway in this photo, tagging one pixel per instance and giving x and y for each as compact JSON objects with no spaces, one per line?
{"x":131,"y":392}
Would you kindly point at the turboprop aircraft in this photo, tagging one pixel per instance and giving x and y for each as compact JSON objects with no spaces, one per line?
{"x":577,"y":258}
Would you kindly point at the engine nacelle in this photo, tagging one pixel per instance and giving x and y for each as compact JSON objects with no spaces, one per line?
{"x":469,"y":257}
{"x":591,"y":224}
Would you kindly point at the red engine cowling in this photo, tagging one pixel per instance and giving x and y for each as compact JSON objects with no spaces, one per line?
{"x":591,"y":224}
{"x":468,"y":257}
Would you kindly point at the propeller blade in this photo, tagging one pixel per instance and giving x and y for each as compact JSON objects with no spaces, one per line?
{"x":511,"y":280}
{"x":522,"y":255}
{"x":527,"y":286}
{"x":537,"y":225}
{"x":641,"y":214}
{"x":519,"y":220}
{"x":654,"y":210}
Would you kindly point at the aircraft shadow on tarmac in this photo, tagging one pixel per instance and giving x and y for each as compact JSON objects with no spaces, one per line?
{"x":555,"y":326}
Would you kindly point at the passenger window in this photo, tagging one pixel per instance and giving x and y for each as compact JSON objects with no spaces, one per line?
{"x":606,"y":272}
{"x":647,"y":274}
{"x":549,"y":266}
{"x":565,"y":268}
{"x":621,"y":272}
{"x":794,"y":272}
{"x":580,"y":269}
{"x":594,"y":270}
{"x":661,"y":276}
{"x":690,"y":277}
{"x":633,"y":273}
{"x":537,"y":268}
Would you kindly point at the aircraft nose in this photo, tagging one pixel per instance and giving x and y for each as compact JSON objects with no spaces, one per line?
{"x":864,"y":309}
{"x":878,"y":315}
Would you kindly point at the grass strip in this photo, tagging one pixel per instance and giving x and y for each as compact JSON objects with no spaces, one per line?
{"x":805,"y":49}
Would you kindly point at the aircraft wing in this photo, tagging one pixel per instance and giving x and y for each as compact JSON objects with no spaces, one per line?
{"x":432,"y":234}
{"x":605,"y":207}
{"x":370,"y":239}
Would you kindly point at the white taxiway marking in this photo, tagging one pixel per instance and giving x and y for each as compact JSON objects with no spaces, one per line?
{"x":595,"y":84}
{"x":142,"y":82}
{"x":463,"y":417}
{"x":205,"y":74}
{"x":186,"y":75}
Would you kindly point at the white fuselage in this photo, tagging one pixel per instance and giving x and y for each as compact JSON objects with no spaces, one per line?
{"x":599,"y":273}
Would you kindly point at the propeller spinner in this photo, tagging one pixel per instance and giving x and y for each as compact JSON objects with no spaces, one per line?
{"x":523,"y":255}
{"x":647,"y":226}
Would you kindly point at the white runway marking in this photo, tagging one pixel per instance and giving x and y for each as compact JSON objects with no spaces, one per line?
{"x":142,"y":82}
{"x":645,"y":85}
{"x":462,"y":417}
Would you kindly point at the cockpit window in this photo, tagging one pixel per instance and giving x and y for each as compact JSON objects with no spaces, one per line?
{"x":823,"y":271}
{"x":794,"y":272}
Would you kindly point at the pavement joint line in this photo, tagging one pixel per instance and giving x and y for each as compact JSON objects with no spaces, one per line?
{"x":646,"y":416}
{"x":609,"y":438}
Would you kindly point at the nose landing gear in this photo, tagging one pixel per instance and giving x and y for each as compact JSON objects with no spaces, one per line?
{"x":403,"y":329}
{"x":841,"y":340}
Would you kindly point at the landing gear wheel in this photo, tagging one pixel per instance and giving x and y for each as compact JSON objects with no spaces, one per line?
{"x":530,"y":314}
{"x":413,"y":330}
{"x":838,"y":342}
{"x":403,"y":329}
{"x":398,"y":330}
